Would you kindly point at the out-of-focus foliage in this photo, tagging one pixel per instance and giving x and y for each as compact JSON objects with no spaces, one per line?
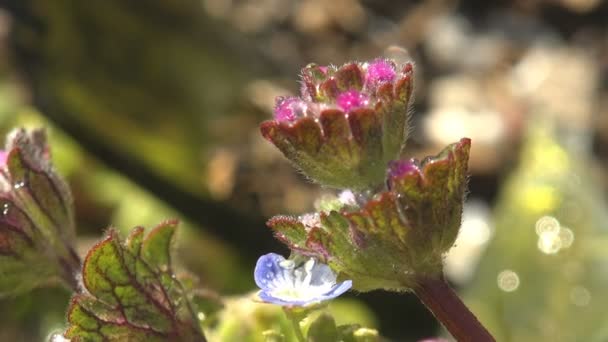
{"x":243,"y":319}
{"x":91,"y":61}
{"x":543,"y":277}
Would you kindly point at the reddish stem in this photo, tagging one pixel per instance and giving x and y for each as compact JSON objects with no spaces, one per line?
{"x":447,"y":307}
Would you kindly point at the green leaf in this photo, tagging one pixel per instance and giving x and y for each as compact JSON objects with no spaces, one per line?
{"x":398,"y":235}
{"x":36,"y":217}
{"x":323,"y":329}
{"x":132,"y":292}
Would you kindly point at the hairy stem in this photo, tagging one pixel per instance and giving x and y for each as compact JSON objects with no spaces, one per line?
{"x":447,"y":307}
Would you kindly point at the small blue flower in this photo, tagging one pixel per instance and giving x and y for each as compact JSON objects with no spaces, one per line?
{"x":287,"y":282}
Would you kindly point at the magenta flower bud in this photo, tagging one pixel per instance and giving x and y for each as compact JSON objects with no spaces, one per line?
{"x":351,"y":100}
{"x":379,"y":71}
{"x":401,"y":168}
{"x":348,"y":123}
{"x":288,"y":109}
{"x":398,"y":168}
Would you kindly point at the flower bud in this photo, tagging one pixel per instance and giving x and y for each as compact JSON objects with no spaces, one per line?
{"x":36,"y":221}
{"x":347,"y":124}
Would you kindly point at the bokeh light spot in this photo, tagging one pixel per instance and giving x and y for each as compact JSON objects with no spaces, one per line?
{"x":508,"y":280}
{"x":566,"y":235}
{"x":540,"y":198}
{"x":547,"y":224}
{"x":549,"y":242}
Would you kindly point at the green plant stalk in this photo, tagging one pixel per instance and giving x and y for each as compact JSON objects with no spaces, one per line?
{"x":447,"y":307}
{"x":295,"y":321}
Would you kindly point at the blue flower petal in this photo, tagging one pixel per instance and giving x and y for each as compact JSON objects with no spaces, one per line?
{"x":336,"y":291}
{"x":339,"y":289}
{"x":268,"y":298}
{"x":266,"y":269}
{"x":279,"y":282}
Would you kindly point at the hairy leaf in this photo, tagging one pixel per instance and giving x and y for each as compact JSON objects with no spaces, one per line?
{"x":132,"y":292}
{"x":396,"y":235}
{"x":36,"y":219}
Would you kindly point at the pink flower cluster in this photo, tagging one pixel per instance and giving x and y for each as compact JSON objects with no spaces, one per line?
{"x":348,"y":88}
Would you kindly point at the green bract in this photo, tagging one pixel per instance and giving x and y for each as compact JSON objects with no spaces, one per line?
{"x":397,"y":236}
{"x":132,"y":293}
{"x":36,"y":219}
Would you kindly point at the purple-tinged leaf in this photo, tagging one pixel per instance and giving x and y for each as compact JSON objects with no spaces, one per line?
{"x":349,"y":77}
{"x":397,"y":235}
{"x":36,"y":217}
{"x":132,"y":293}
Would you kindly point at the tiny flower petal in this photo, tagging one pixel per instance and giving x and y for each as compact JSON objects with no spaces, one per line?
{"x":399,"y":168}
{"x":284,"y":282}
{"x":288,"y":108}
{"x":267,"y":268}
{"x":347,"y":197}
{"x":351,"y":100}
{"x":379,"y":71}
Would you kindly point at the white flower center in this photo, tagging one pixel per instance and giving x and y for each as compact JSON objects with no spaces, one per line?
{"x":306,"y":281}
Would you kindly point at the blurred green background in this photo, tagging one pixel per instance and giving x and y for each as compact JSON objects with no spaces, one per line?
{"x":153,"y":107}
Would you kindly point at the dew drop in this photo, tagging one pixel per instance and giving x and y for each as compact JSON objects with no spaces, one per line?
{"x":508,"y":280}
{"x":269,"y":275}
{"x":19,"y":185}
{"x":5,"y":209}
